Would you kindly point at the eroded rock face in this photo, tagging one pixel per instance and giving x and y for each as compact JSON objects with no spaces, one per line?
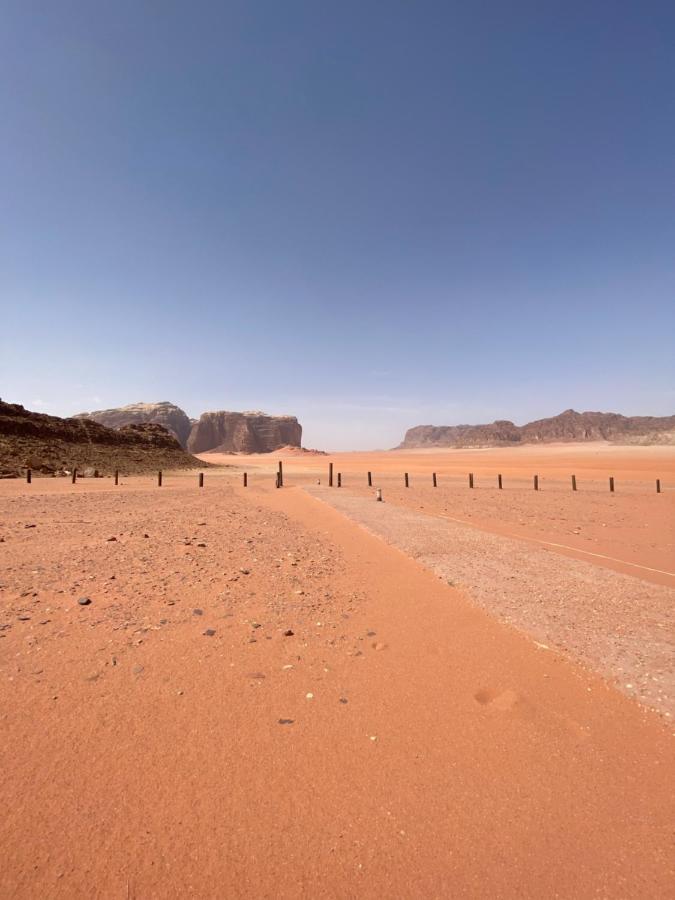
{"x":569,"y":426}
{"x":243,"y":432}
{"x":166,"y":414}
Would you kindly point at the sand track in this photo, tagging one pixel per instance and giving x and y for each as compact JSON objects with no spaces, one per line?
{"x":618,"y":625}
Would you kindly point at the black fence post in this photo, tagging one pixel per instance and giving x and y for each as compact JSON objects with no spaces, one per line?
{"x":536,"y":482}
{"x":407,"y":483}
{"x":574,"y":482}
{"x":611,"y":484}
{"x":370,"y":479}
{"x":499,"y":482}
{"x":159,"y":479}
{"x":330,"y":474}
{"x":201,"y":479}
{"x":470,"y":479}
{"x":434,"y":481}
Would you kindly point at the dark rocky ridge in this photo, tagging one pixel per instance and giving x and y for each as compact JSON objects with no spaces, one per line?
{"x":50,"y":444}
{"x":569,"y":426}
{"x":243,"y":432}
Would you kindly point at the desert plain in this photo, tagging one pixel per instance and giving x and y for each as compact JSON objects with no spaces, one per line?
{"x":236,"y":691}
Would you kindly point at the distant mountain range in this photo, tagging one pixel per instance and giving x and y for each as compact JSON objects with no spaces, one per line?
{"x":569,"y":426}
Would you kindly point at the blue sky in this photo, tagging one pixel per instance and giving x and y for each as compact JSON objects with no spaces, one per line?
{"x":371,"y":215}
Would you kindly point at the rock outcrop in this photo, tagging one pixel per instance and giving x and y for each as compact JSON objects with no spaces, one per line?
{"x":170,"y":416}
{"x":51,"y":445}
{"x":569,"y":426}
{"x":243,"y":432}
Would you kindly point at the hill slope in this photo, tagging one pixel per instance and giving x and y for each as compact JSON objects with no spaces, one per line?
{"x":50,"y":445}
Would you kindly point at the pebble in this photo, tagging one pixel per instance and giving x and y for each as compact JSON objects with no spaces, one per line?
{"x":344,"y":700}
{"x":245,"y":571}
{"x":288,"y":633}
{"x":197,"y":612}
{"x":201,"y":545}
{"x":84,"y":601}
{"x":210,"y":632}
{"x":286,"y":721}
{"x":309,"y":696}
{"x":111,"y":539}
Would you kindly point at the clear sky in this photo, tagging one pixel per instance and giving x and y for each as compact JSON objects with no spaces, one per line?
{"x":368,"y":214}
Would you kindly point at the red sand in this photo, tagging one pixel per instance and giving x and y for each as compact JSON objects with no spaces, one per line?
{"x":142,"y":758}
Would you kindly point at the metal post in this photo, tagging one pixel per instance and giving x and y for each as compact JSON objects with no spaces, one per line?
{"x":370,"y":479}
{"x":29,"y":476}
{"x":574,"y":482}
{"x":407,"y":483}
{"x":433,"y":479}
{"x":536,"y":482}
{"x":611,"y":484}
{"x":117,"y":477}
{"x":245,"y":479}
{"x":74,"y":475}
{"x":339,"y":479}
{"x":658,"y":485}
{"x":499,"y":482}
{"x":159,"y":479}
{"x":201,"y":479}
{"x":470,"y":479}
{"x":330,"y":474}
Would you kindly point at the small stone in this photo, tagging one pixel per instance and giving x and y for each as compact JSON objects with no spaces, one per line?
{"x":379,"y":646}
{"x":373,"y":737}
{"x":197,"y":612}
{"x":256,"y":625}
{"x":344,"y":700}
{"x":30,"y":526}
{"x":23,"y":618}
{"x":84,"y":601}
{"x":286,"y":721}
{"x":210,"y":632}
{"x":309,"y":696}
{"x":201,"y":545}
{"x":288,"y":633}
{"x":111,"y":539}
{"x":146,"y":535}
{"x":245,"y":571}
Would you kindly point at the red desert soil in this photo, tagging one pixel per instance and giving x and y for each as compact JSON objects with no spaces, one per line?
{"x":169,"y":739}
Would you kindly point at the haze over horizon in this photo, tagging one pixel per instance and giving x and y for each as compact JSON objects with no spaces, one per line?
{"x":369,"y":216}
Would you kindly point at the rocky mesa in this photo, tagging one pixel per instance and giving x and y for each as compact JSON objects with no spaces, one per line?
{"x":52,"y":445}
{"x":569,"y":426}
{"x":243,"y":432}
{"x":166,"y":414}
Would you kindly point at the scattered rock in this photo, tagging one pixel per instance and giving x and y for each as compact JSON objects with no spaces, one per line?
{"x":201,"y":545}
{"x":309,"y":696}
{"x":343,"y":700}
{"x":197,"y":612}
{"x":286,"y":721}
{"x":84,"y":601}
{"x":111,"y":539}
{"x":210,"y":632}
{"x":30,"y":526}
{"x":23,"y":618}
{"x":288,"y":633}
{"x":379,"y":646}
{"x":245,"y":571}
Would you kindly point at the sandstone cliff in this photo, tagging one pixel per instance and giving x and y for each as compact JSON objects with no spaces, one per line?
{"x":166,"y":414}
{"x":569,"y":426}
{"x":243,"y":432}
{"x":49,"y":444}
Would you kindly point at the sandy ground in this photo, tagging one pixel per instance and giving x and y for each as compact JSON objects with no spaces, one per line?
{"x":169,"y":739}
